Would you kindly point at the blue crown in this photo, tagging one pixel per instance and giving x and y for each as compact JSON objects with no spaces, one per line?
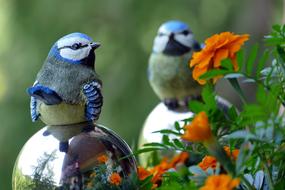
{"x":175,"y":26}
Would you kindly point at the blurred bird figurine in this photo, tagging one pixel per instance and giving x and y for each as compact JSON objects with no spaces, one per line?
{"x":67,"y":90}
{"x":168,"y":70}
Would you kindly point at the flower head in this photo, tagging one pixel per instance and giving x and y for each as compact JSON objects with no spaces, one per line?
{"x":102,"y":159}
{"x":233,"y":154}
{"x":220,"y":182}
{"x":199,"y":129}
{"x":115,"y":179}
{"x":217,"y":47}
{"x":208,"y":162}
{"x":180,"y":158}
{"x":143,"y":173}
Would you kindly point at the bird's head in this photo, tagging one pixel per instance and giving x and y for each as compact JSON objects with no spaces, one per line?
{"x":75,"y":48}
{"x":174,"y":38}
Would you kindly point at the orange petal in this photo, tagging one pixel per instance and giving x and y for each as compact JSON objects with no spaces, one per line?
{"x":219,"y":56}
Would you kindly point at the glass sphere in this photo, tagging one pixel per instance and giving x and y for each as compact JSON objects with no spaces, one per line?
{"x":97,"y":159}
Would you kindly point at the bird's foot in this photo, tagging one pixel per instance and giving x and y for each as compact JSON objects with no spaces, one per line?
{"x":171,"y":104}
{"x":63,"y":146}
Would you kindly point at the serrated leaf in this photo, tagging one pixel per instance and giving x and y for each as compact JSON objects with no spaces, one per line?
{"x":251,"y":59}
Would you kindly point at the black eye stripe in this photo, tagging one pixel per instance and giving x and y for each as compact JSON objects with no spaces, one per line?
{"x":185,"y":32}
{"x":70,"y":47}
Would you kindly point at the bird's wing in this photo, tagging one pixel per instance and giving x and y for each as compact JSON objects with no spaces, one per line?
{"x":44,"y":94}
{"x":33,"y":107}
{"x":94,"y":100}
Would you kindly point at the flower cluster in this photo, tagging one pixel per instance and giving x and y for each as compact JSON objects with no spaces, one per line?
{"x":229,"y":148}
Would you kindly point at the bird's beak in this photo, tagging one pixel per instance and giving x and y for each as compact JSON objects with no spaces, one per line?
{"x":95,"y":45}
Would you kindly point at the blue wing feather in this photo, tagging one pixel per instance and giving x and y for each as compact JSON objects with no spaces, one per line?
{"x":33,"y":107}
{"x":94,"y":100}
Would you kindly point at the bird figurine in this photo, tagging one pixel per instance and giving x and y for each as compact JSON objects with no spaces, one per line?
{"x":168,"y":71}
{"x":67,"y":90}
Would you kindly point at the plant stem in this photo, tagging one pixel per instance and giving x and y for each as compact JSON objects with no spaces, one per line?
{"x":236,"y":86}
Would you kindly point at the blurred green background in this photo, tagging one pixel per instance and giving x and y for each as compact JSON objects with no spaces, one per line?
{"x":126,"y":29}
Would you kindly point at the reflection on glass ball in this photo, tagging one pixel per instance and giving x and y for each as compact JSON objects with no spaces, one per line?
{"x":94,"y":161}
{"x":162,"y":118}
{"x":159,"y":118}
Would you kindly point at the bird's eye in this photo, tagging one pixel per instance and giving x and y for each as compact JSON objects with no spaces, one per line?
{"x":160,"y":34}
{"x":185,"y":32}
{"x":75,"y":46}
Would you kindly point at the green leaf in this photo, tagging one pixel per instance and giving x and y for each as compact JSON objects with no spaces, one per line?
{"x":281,"y":52}
{"x":209,"y":97}
{"x":154,"y":144}
{"x":178,"y":143}
{"x":232,"y":113}
{"x":251,"y":59}
{"x":213,"y":73}
{"x":166,"y":140}
{"x":233,"y":75}
{"x":241,"y":134}
{"x":262,"y":62}
{"x":196,"y":106}
{"x":277,"y":28}
{"x":167,"y":131}
{"x":177,"y":126}
{"x":240,"y":57}
{"x":227,"y":64}
{"x":236,"y":86}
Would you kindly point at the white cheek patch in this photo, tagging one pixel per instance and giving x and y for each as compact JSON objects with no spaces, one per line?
{"x":75,"y":55}
{"x":185,"y":40}
{"x":160,"y":43}
{"x":69,"y":41}
{"x":164,"y":31}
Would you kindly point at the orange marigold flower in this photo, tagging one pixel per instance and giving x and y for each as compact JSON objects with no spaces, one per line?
{"x":217,"y":47}
{"x":180,"y":158}
{"x":220,"y":182}
{"x":102,"y":159}
{"x":143,"y":173}
{"x":199,"y":129}
{"x":233,"y":154}
{"x":115,"y":179}
{"x":208,"y":162}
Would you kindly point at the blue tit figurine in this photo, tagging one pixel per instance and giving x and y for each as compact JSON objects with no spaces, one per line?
{"x":168,"y":71}
{"x":67,"y":90}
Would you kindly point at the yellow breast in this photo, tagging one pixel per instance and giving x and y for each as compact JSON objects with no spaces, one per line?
{"x":61,"y":114}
